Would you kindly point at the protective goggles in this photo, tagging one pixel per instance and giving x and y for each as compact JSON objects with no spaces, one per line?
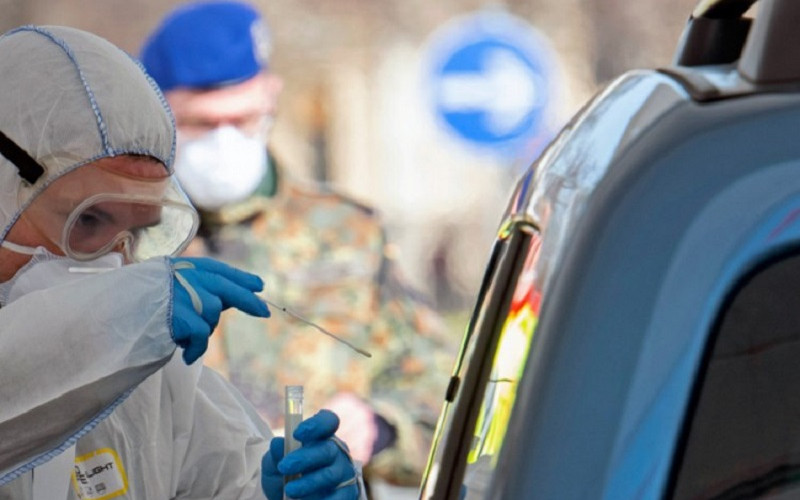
{"x":93,"y":211}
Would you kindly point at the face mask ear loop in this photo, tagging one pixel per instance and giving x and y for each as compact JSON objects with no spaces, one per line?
{"x":123,"y":244}
{"x":24,"y":250}
{"x":127,"y":255}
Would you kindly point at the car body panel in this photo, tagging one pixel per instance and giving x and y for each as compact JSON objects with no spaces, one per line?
{"x":642,"y":216}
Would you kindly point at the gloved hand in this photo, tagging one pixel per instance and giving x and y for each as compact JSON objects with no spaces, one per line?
{"x":203,"y":288}
{"x":327,"y":471}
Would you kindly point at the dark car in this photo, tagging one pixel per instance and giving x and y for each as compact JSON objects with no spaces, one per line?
{"x":637,"y":332}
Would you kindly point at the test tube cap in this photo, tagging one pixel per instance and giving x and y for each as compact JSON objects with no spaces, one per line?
{"x":294,"y":391}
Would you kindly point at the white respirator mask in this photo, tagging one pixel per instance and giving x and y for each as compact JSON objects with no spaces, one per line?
{"x":46,"y":269}
{"x":222,"y":167}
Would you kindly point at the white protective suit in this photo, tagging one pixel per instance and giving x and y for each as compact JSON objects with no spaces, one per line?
{"x":74,"y":351}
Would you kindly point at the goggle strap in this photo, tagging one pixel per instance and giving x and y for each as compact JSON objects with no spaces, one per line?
{"x":29,"y":169}
{"x":14,"y":247}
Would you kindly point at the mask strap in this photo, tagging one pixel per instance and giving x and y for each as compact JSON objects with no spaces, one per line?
{"x":23,"y":249}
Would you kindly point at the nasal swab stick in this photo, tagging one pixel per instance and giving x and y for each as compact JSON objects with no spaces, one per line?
{"x":314,"y":325}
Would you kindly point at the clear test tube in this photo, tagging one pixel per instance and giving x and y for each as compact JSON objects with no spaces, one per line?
{"x":292,"y":418}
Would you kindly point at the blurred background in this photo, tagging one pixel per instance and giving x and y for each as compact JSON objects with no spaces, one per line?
{"x":380,"y":100}
{"x":427,"y":110}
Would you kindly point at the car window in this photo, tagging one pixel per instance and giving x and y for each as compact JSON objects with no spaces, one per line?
{"x":742,"y":437}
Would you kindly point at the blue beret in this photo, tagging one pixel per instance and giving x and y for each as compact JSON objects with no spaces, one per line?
{"x":207,"y":44}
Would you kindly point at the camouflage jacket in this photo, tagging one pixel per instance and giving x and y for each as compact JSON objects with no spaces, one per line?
{"x":324,"y":257}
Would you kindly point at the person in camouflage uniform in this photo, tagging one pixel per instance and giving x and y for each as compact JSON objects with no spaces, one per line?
{"x":322,"y":256}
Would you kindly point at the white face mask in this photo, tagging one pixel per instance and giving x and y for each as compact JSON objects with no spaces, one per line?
{"x":220,"y":168}
{"x":46,"y":269}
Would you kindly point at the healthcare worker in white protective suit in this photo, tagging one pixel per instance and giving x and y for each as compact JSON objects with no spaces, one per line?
{"x":95,"y":403}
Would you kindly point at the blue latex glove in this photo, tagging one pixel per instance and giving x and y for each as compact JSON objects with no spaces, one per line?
{"x":327,"y":472}
{"x":203,"y":288}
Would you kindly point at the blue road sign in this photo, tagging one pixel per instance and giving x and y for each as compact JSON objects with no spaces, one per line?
{"x":489,"y":80}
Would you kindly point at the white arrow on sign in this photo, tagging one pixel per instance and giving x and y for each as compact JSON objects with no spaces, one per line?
{"x":508,"y":90}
